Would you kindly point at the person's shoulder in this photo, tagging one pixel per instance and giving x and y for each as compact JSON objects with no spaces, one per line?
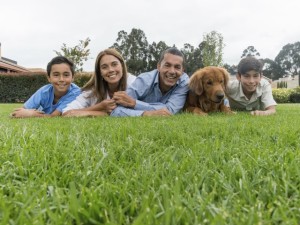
{"x":130,"y":78}
{"x":264,"y":82}
{"x":74,"y":86}
{"x":234,"y":83}
{"x":74,"y":89}
{"x":46,"y":88}
{"x":148,"y":74}
{"x":184,"y":77}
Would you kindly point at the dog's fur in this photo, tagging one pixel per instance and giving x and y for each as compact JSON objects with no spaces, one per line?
{"x":207,"y":91}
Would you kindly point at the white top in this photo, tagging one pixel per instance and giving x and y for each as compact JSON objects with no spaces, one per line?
{"x":84,"y":100}
{"x":260,"y":99}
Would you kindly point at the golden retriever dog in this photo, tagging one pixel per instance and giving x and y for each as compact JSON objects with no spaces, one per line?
{"x":207,"y":91}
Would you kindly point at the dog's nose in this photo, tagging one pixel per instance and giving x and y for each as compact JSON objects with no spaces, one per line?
{"x":220,"y":96}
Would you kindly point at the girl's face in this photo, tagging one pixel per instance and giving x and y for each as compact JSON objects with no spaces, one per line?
{"x":111,"y":69}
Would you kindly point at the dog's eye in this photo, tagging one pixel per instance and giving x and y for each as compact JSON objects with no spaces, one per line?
{"x":221,"y":81}
{"x":209,"y":82}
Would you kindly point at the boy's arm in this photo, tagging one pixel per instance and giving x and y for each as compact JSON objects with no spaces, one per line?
{"x":27,"y":113}
{"x":269,"y":111}
{"x":267,"y":100}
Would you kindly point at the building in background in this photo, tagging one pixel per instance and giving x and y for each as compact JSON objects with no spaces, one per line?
{"x":11,"y":66}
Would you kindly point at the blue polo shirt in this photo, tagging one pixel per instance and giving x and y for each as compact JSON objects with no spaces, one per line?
{"x":43,"y":99}
{"x":145,"y":89}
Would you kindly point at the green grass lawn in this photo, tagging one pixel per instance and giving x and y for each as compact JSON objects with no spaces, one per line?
{"x":183,"y":169}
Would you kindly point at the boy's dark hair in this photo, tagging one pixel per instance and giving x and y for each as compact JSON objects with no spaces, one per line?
{"x":59,"y":60}
{"x":173,"y":51}
{"x":249,"y":63}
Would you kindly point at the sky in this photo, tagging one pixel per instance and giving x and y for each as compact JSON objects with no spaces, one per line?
{"x":31,"y":30}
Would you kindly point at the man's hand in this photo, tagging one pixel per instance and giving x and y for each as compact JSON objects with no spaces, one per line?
{"x":122,"y":98}
{"x":159,"y":112}
{"x":26,"y":113}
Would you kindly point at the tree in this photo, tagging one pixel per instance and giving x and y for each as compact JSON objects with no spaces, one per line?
{"x":272,"y":69}
{"x":289,"y":59}
{"x":213,"y":45}
{"x":250,"y":51}
{"x":77,"y":54}
{"x":193,"y":58}
{"x":155,"y":51}
{"x":134,"y":48}
{"x":232,"y":70}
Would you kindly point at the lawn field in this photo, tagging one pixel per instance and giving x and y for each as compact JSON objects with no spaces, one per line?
{"x":182,"y":169}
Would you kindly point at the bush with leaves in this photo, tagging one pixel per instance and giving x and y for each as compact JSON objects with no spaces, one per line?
{"x":295,"y":95}
{"x":82,"y":78}
{"x":282,"y":95}
{"x":18,"y":87}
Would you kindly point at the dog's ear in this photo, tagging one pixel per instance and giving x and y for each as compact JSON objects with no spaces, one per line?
{"x":226,"y":77}
{"x":195,"y":83}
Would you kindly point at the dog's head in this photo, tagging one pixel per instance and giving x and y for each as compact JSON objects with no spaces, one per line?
{"x":210,"y":82}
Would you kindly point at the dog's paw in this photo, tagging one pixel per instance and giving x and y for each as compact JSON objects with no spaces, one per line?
{"x":199,"y":112}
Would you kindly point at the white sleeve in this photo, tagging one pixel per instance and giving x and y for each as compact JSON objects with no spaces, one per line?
{"x":82,"y":101}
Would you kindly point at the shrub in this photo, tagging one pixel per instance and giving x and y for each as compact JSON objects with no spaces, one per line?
{"x":18,"y":87}
{"x":295,"y":95}
{"x":82,"y":78}
{"x":282,"y":95}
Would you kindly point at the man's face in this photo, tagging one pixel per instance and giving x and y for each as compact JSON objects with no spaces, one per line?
{"x":170,"y":69}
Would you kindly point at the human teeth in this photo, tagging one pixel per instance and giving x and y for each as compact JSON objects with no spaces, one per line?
{"x":171,"y":77}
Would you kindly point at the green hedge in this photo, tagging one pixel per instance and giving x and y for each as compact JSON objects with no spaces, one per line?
{"x":284,"y":95}
{"x":295,"y":95}
{"x":18,"y":87}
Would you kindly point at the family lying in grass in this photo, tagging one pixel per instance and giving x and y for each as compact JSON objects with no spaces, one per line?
{"x":164,"y":91}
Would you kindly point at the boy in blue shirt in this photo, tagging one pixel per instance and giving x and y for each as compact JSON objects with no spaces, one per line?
{"x":50,"y":99}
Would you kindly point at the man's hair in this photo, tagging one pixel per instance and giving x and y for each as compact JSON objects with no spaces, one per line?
{"x":173,"y":51}
{"x":249,"y":63}
{"x":60,"y":60}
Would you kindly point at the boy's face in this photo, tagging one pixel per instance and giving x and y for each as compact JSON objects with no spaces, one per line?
{"x":249,"y":81}
{"x":61,"y":78}
{"x":170,"y":69}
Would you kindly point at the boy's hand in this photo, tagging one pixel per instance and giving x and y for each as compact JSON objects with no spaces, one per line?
{"x":260,"y":113}
{"x":26,"y":113}
{"x":122,"y":98}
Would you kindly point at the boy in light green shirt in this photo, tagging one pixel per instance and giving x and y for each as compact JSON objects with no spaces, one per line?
{"x":250,"y":92}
